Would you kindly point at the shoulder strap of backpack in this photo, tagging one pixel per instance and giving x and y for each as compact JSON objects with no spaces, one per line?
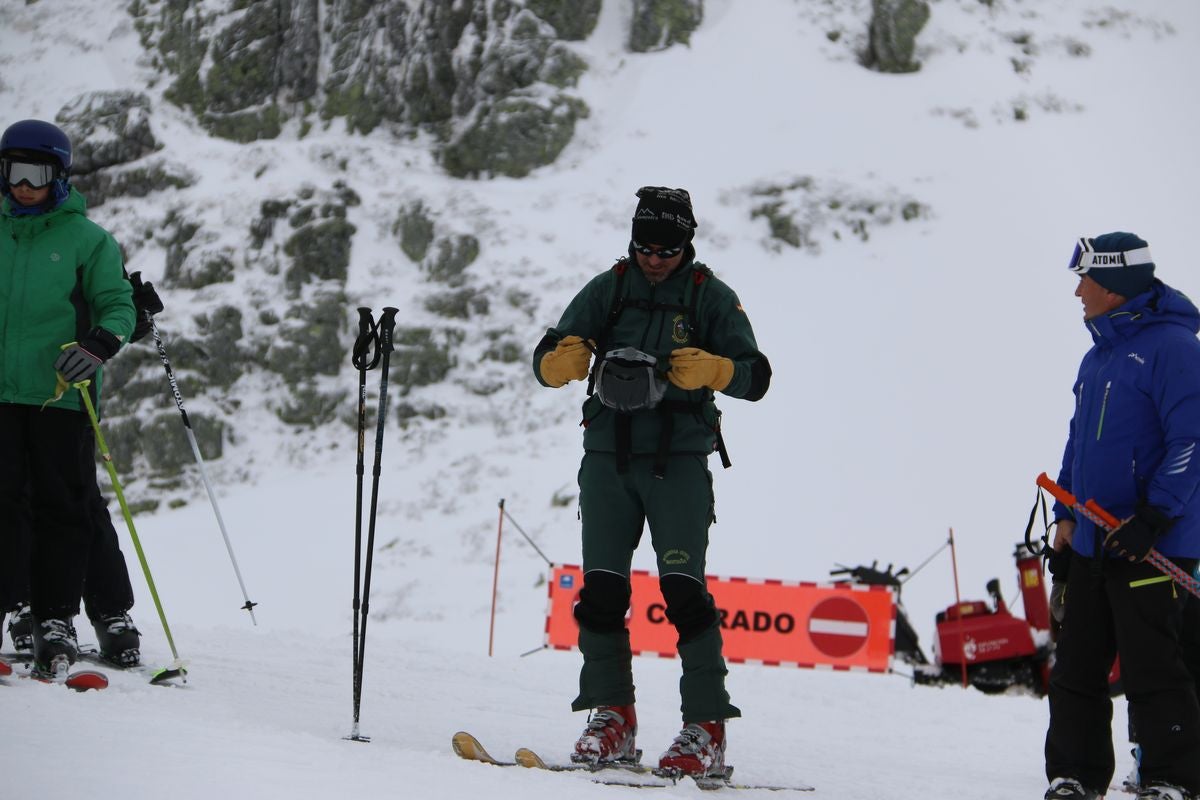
{"x":616,"y":304}
{"x":692,"y":295}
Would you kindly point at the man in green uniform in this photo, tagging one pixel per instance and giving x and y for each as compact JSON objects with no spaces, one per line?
{"x":667,"y":335}
{"x":65,"y":309}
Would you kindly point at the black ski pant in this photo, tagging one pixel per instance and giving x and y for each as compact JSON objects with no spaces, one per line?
{"x":106,"y":587}
{"x":1191,"y":638}
{"x":47,"y":471}
{"x":1116,"y":607}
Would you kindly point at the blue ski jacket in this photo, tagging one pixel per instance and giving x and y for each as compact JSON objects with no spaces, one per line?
{"x":1137,"y":420}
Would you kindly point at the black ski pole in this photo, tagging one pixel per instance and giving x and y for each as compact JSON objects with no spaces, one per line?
{"x":387,"y":324}
{"x":365,"y":356}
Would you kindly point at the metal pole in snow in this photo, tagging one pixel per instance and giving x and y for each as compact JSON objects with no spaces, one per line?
{"x":962,"y":642}
{"x":496,"y":579}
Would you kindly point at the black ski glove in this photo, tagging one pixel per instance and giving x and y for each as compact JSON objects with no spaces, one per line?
{"x":80,"y":360}
{"x":145,"y":301}
{"x":1134,"y":537}
{"x":1058,"y":562}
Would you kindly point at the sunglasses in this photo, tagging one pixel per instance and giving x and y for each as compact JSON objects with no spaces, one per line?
{"x":661,"y":252}
{"x":37,"y":176}
{"x":1085,"y":258}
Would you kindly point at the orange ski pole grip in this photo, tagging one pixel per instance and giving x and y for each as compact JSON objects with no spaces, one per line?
{"x":1093,"y":511}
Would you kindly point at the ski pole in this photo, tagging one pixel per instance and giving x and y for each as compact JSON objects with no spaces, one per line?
{"x":1092,"y":510}
{"x":191,"y":437}
{"x":364,"y":356}
{"x":387,"y":324}
{"x":177,"y":666}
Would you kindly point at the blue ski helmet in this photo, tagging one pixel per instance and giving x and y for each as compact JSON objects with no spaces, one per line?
{"x":33,"y":137}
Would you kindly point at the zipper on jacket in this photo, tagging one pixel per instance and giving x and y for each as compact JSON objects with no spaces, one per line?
{"x":1103,"y":408}
{"x":649,"y":320}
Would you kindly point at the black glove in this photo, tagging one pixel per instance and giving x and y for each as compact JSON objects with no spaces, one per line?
{"x":1134,"y":537}
{"x":80,"y":360}
{"x":145,"y":301}
{"x":1058,"y":562}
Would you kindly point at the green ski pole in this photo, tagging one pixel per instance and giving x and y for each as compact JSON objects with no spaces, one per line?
{"x":177,"y":669}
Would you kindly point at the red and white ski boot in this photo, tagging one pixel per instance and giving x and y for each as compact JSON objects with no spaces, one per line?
{"x":698,"y":751}
{"x":608,"y":737}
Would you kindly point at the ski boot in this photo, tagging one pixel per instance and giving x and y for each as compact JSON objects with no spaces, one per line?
{"x":698,"y":751}
{"x":1133,"y":781}
{"x":20,"y":629}
{"x":608,"y":737}
{"x":1163,"y":791}
{"x":1070,"y":789}
{"x":55,"y":647}
{"x":119,"y":640}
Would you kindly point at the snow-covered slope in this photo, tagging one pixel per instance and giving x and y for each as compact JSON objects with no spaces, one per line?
{"x":921,"y":382}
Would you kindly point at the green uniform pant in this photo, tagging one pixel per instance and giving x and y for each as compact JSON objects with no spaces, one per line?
{"x":614,"y":508}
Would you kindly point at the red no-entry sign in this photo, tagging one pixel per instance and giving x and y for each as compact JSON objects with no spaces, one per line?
{"x":839,"y":627}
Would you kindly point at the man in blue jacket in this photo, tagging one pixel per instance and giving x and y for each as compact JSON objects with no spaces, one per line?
{"x":1131,"y":448}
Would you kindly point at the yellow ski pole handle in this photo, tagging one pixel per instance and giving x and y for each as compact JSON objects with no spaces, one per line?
{"x":60,"y":383}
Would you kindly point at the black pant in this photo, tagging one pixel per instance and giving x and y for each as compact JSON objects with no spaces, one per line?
{"x":1114,"y":606}
{"x":52,"y":451}
{"x":106,"y":587}
{"x":1191,"y":638}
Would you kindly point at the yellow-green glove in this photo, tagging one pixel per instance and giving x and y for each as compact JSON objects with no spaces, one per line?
{"x":692,"y":368}
{"x":567,"y":362}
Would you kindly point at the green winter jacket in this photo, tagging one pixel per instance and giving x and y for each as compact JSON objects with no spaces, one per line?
{"x":722,"y":328}
{"x":60,"y":276}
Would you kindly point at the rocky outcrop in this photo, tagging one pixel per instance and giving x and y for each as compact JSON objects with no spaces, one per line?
{"x":803,"y":212}
{"x":658,"y":24}
{"x":113,"y":147}
{"x":486,"y":77}
{"x":893,"y":33}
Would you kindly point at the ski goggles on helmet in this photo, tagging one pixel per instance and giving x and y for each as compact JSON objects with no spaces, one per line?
{"x":1085,"y":258}
{"x":627,"y":380}
{"x":37,"y":176}
{"x":661,"y":252}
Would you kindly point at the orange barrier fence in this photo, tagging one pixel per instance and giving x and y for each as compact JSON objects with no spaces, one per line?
{"x":773,"y":622}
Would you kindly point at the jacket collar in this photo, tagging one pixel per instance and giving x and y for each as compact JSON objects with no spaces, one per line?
{"x":1160,"y":304}
{"x":73,"y":202}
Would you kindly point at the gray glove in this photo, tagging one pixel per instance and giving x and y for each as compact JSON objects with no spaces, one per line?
{"x":1058,"y":600}
{"x":81,"y":359}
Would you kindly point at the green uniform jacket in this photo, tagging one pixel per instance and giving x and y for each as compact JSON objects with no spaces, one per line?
{"x":60,"y":276}
{"x":722,"y":328}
